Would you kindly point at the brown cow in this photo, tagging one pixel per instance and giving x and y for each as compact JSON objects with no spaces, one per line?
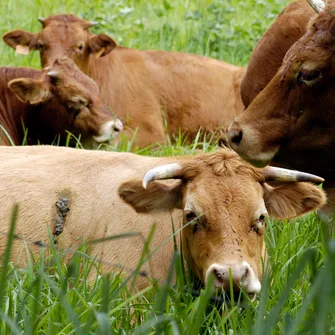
{"x":267,"y":57}
{"x":49,"y":103}
{"x":291,"y":122}
{"x":140,"y":86}
{"x":221,"y":200}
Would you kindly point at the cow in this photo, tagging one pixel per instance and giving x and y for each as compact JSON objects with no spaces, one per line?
{"x":267,"y":57}
{"x":36,"y":106}
{"x":220,"y":201}
{"x":156,"y":92}
{"x":291,"y":121}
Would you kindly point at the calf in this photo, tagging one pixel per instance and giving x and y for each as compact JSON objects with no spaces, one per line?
{"x":146,"y":89}
{"x":220,"y":201}
{"x":50,"y":102}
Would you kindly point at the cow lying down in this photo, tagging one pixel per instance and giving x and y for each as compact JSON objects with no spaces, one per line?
{"x":222,"y":201}
{"x":50,"y":102}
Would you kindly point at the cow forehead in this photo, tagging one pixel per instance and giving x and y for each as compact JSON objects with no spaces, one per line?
{"x":66,"y":33}
{"x":230,"y":197}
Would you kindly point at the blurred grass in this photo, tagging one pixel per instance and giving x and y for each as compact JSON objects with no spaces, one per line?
{"x":50,"y":297}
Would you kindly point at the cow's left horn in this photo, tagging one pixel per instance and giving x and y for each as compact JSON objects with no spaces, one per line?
{"x":317,"y":5}
{"x":42,"y":20}
{"x":167,"y":171}
{"x":53,"y":74}
{"x":279,"y":174}
{"x":92,"y":23}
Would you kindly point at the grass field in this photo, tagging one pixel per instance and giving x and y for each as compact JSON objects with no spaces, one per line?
{"x":297,"y":297}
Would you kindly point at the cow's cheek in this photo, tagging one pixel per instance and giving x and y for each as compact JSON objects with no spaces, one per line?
{"x":198,"y":252}
{"x":254,"y":249}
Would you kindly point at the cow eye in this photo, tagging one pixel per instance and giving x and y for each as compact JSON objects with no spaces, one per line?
{"x":190,"y":216}
{"x":259,"y":225}
{"x":308,"y":77}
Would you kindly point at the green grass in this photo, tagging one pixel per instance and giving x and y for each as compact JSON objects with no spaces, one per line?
{"x":54,"y":297}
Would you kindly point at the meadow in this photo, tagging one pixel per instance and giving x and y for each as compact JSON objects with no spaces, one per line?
{"x":50,"y":296}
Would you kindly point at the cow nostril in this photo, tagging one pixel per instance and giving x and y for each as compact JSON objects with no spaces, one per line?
{"x":218,"y":274}
{"x":117,"y":126}
{"x":236,"y":136}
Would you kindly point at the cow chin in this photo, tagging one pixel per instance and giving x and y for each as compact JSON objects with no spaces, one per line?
{"x":241,"y":275}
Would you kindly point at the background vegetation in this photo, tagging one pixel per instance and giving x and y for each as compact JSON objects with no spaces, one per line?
{"x":297,"y":295}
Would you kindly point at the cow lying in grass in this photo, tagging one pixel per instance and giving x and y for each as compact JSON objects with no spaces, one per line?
{"x":139,"y":85}
{"x":221,"y":201}
{"x":50,"y":102}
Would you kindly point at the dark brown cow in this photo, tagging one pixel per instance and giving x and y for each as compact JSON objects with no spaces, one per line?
{"x":292,"y":120}
{"x":49,"y":103}
{"x":193,"y":91}
{"x":267,"y":57}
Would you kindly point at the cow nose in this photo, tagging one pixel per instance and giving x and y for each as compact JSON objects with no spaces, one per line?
{"x":108,"y":131}
{"x":241,"y":275}
{"x":235,"y":134}
{"x":117,"y":127}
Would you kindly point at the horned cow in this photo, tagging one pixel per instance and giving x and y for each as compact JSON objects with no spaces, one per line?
{"x":221,"y":201}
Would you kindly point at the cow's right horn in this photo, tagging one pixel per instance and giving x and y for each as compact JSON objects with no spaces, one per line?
{"x":280,"y":174}
{"x":317,"y":5}
{"x":168,"y":171}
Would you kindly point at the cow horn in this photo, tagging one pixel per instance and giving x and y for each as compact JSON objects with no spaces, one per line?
{"x":167,"y":171}
{"x":53,"y":74}
{"x":93,"y":23}
{"x":317,"y":5}
{"x":42,"y":20}
{"x":279,"y":174}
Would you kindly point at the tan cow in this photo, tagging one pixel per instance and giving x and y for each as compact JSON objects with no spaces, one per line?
{"x":221,"y":201}
{"x":50,"y":102}
{"x":140,"y":86}
{"x":291,"y":122}
{"x":267,"y":57}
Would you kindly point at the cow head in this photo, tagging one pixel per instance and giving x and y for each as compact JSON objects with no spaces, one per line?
{"x":292,"y":118}
{"x":69,"y":100}
{"x":62,"y":35}
{"x":225,"y":202}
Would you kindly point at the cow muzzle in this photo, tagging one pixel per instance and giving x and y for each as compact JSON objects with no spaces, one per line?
{"x":248,"y":143}
{"x":109,"y":131}
{"x":241,"y":275}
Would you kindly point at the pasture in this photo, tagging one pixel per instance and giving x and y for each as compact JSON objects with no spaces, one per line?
{"x":297,"y":296}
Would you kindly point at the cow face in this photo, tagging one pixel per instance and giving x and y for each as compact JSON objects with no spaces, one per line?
{"x":62,"y":35}
{"x":225,"y":203}
{"x":292,"y":118}
{"x":69,"y":101}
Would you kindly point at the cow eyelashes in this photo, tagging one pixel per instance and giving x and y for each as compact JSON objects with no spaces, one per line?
{"x":259,"y":225}
{"x":308,"y":77}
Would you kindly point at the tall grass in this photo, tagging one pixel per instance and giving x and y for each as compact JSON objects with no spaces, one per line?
{"x":51,"y":296}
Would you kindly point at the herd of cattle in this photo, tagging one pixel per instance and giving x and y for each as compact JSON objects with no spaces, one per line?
{"x":96,"y":89}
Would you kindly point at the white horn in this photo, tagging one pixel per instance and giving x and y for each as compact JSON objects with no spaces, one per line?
{"x":93,"y":23}
{"x":42,"y":20}
{"x":317,"y":5}
{"x":162,"y":172}
{"x":53,"y":74}
{"x":279,"y":174}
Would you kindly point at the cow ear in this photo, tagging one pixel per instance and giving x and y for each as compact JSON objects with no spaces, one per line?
{"x":20,"y":40}
{"x":157,"y":196}
{"x":293,"y":199}
{"x":101,"y":45}
{"x":30,"y":90}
